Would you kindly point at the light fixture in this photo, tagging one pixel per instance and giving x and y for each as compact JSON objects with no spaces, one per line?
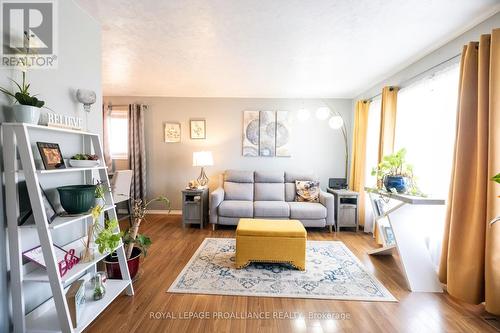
{"x":202,"y":159}
{"x":86,"y":97}
{"x":322,"y":113}
{"x":336,"y":122}
{"x":303,"y":114}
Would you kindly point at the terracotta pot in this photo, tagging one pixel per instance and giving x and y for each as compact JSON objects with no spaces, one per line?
{"x":113,"y":267}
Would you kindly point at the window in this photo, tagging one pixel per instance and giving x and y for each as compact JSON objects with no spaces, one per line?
{"x":425,"y":126}
{"x":118,"y":134}
{"x":371,"y":159}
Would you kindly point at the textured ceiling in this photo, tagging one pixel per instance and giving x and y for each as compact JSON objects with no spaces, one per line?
{"x":269,"y":48}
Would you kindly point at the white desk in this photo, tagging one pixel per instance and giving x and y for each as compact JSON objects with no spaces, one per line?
{"x":403,"y":217}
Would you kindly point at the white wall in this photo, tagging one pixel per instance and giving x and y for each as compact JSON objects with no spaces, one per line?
{"x":315,"y":146}
{"x":79,"y":67}
{"x":447,"y":51}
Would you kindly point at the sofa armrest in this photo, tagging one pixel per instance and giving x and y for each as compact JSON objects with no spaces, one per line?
{"x":327,"y":200}
{"x":216,"y":198}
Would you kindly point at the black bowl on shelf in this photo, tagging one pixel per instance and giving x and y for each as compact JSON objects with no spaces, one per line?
{"x":77,"y":199}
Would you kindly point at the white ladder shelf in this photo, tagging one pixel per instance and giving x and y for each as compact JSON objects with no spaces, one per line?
{"x":53,"y":315}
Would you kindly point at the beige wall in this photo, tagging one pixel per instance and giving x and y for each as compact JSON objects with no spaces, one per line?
{"x":315,"y":147}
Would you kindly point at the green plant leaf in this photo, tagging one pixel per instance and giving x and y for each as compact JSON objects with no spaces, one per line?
{"x":496,"y":178}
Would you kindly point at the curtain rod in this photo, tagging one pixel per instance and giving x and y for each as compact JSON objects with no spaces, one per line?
{"x":117,"y":105}
{"x":403,"y":84}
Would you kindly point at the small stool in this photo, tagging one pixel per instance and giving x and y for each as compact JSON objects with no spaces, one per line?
{"x":260,"y":240}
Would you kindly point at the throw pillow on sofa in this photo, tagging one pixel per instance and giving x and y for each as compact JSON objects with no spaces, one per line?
{"x":306,"y":191}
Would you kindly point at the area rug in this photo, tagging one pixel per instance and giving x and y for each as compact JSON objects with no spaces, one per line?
{"x":332,"y":272}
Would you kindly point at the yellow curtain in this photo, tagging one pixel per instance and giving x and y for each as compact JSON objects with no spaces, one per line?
{"x":387,"y":121}
{"x":470,"y":260}
{"x":357,"y":174}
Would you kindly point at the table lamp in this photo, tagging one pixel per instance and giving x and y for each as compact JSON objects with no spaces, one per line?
{"x":202,"y":159}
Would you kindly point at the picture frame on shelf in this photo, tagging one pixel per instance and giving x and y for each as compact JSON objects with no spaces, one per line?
{"x":198,"y":129}
{"x":50,"y":210}
{"x":389,"y":236}
{"x":51,"y":155}
{"x":75,"y":297}
{"x":172,"y":132}
{"x":35,"y":255}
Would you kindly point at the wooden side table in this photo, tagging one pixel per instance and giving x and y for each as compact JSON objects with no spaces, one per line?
{"x":346,"y":209}
{"x":195,"y":206}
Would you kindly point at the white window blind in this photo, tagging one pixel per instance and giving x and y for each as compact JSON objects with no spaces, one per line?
{"x":425,"y":126}
{"x":371,"y":159}
{"x":118,"y":134}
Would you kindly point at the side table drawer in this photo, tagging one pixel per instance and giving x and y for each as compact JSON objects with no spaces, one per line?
{"x":191,"y":211}
{"x":347,"y":216}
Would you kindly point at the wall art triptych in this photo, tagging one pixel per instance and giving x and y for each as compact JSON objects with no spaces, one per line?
{"x":266,"y":133}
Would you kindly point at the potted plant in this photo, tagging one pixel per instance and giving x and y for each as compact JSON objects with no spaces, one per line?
{"x":136,"y":244}
{"x":100,"y":190}
{"x":27,"y":109}
{"x":395,"y":174}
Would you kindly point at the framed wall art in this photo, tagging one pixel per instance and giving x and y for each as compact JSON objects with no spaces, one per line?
{"x":198,"y":128}
{"x":172,"y":132}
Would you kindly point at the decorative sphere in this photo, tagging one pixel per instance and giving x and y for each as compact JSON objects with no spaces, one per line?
{"x":303,"y":114}
{"x":323,"y":113}
{"x":336,"y":122}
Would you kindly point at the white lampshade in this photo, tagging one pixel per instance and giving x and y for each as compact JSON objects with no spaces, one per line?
{"x":303,"y":114}
{"x":203,"y":158}
{"x":336,"y":122}
{"x":323,"y":113}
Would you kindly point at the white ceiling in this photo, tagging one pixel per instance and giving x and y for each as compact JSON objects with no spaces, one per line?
{"x":269,"y":48}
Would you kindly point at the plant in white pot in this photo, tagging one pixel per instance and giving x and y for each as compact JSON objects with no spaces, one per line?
{"x":27,"y":107}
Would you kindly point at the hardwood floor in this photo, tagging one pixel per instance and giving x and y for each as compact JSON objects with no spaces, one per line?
{"x":173,"y":246}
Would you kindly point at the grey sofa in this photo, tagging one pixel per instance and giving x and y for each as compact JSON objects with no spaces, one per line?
{"x":270,"y":195}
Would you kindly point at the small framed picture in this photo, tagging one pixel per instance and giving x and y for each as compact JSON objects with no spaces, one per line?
{"x":50,"y":210}
{"x":51,"y":155}
{"x":198,"y":129}
{"x":172,"y":132}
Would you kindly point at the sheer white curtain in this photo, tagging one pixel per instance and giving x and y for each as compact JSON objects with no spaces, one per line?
{"x":425,"y":126}
{"x":371,"y":160}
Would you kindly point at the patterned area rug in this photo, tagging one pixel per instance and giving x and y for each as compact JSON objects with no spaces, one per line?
{"x":332,"y":272}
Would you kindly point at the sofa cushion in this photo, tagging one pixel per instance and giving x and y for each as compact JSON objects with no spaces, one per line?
{"x":307,"y":190}
{"x":307,"y":210}
{"x":269,"y":177}
{"x":238,"y":191}
{"x":236,"y":208}
{"x":238,"y":176}
{"x":291,"y":177}
{"x":269,"y":192}
{"x":271,"y":209}
{"x":290,"y":191}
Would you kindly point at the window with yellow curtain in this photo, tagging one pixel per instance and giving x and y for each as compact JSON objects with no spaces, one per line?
{"x":425,"y":126}
{"x":371,"y":160}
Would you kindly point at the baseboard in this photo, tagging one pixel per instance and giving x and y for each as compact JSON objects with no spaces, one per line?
{"x":164,"y":211}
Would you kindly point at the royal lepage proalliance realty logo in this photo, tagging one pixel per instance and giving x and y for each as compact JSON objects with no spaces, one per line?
{"x":29,"y":34}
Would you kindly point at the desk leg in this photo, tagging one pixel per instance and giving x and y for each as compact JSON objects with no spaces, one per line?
{"x":417,"y":265}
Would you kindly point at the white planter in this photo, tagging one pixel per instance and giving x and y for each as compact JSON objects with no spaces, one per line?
{"x":100,"y":202}
{"x":26,"y":114}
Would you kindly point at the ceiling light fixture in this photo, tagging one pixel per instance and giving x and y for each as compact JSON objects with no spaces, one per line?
{"x":322,"y":113}
{"x":303,"y":114}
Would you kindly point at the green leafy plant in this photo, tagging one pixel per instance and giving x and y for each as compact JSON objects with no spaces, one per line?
{"x":107,"y":238}
{"x":394,"y":165}
{"x":23,"y":96}
{"x":496,"y":178}
{"x":100,"y":190}
{"x":131,"y":237}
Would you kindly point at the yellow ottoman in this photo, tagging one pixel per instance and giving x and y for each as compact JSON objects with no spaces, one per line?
{"x":260,"y":240}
